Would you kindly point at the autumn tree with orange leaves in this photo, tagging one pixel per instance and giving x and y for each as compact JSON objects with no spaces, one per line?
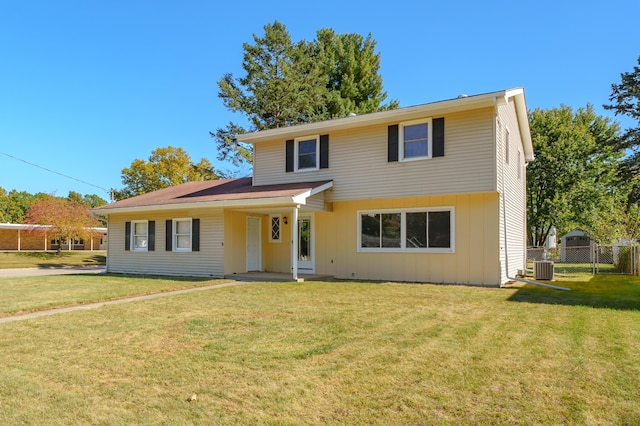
{"x":66,"y":219}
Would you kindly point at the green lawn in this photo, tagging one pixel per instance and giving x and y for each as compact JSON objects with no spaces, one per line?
{"x":30,"y":294}
{"x":51,"y":259}
{"x":330,"y":353}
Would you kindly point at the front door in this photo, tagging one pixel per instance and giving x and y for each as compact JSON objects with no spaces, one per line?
{"x":305,"y":245}
{"x":254,"y":244}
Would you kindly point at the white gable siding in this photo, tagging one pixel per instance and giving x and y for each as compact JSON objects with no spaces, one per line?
{"x":358,"y":162}
{"x":207,"y":262}
{"x":514,"y":194}
{"x":316,"y":202}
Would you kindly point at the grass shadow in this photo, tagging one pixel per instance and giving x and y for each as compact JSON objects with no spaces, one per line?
{"x":53,"y":261}
{"x":620,"y":292}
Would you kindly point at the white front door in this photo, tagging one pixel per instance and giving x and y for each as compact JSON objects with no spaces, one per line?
{"x":305,"y":245}
{"x":254,"y":244}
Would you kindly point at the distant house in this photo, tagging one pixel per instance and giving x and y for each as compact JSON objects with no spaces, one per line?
{"x":429,"y":193}
{"x":20,"y":237}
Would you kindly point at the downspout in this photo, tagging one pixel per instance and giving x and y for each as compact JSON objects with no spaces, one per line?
{"x":506,"y":243}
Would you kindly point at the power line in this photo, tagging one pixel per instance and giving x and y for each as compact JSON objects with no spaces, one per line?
{"x":108,"y":191}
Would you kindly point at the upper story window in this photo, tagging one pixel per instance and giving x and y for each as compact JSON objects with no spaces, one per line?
{"x":519,"y":164}
{"x":507,"y":142}
{"x":182,"y":234}
{"x":139,"y":235}
{"x":415,"y":140}
{"x":307,"y":153}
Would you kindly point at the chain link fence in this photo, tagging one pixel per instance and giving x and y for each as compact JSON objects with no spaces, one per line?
{"x":591,"y":259}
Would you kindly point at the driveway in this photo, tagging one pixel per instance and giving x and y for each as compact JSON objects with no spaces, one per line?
{"x":39,"y":272}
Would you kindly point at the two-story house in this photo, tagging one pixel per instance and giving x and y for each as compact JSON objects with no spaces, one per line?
{"x":429,"y":193}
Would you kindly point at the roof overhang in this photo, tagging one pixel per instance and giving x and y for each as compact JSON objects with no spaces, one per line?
{"x":33,"y":227}
{"x":459,"y":104}
{"x":523,"y":120}
{"x":244,"y":203}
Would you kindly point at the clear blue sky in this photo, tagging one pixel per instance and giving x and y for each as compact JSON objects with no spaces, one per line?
{"x":86,"y":86}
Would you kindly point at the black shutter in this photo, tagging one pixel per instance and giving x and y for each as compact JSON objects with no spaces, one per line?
{"x":168,"y":245}
{"x":195,"y":235}
{"x":324,"y":151}
{"x":127,"y":236}
{"x":392,"y":143}
{"x":438,"y":137}
{"x":152,"y":235}
{"x":289,"y":153}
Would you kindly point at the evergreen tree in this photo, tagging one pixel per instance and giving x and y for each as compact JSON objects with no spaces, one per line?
{"x":626,"y":101}
{"x":288,"y":83}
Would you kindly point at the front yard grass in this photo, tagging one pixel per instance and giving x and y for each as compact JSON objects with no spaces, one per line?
{"x":30,"y":294}
{"x":333,"y":353}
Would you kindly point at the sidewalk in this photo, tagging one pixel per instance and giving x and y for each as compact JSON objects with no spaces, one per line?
{"x":96,"y":305}
{"x":39,"y":272}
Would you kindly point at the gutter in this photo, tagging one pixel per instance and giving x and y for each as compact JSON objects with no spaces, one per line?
{"x":248,"y":203}
{"x":381,"y":117}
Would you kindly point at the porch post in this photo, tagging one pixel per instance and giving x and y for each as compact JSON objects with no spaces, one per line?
{"x":18,"y":239}
{"x":294,"y":243}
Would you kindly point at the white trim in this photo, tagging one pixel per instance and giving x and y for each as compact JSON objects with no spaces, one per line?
{"x":296,"y":158}
{"x":132,"y":244}
{"x":302,"y":198}
{"x":174,"y":235}
{"x":401,"y":140}
{"x":403,"y":231}
{"x":312,"y":248}
{"x":294,"y":242}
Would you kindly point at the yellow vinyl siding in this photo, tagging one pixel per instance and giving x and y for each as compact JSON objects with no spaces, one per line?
{"x":235,"y":242}
{"x":207,"y":262}
{"x":276,"y":257}
{"x":476,"y":257}
{"x":360,"y":170}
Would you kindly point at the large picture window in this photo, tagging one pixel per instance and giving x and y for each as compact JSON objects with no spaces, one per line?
{"x":428,"y":229}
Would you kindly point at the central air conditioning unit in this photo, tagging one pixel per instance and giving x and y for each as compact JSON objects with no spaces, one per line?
{"x":543,"y":270}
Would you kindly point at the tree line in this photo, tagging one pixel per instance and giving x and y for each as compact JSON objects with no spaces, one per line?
{"x":15,"y":205}
{"x":585,"y":174}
